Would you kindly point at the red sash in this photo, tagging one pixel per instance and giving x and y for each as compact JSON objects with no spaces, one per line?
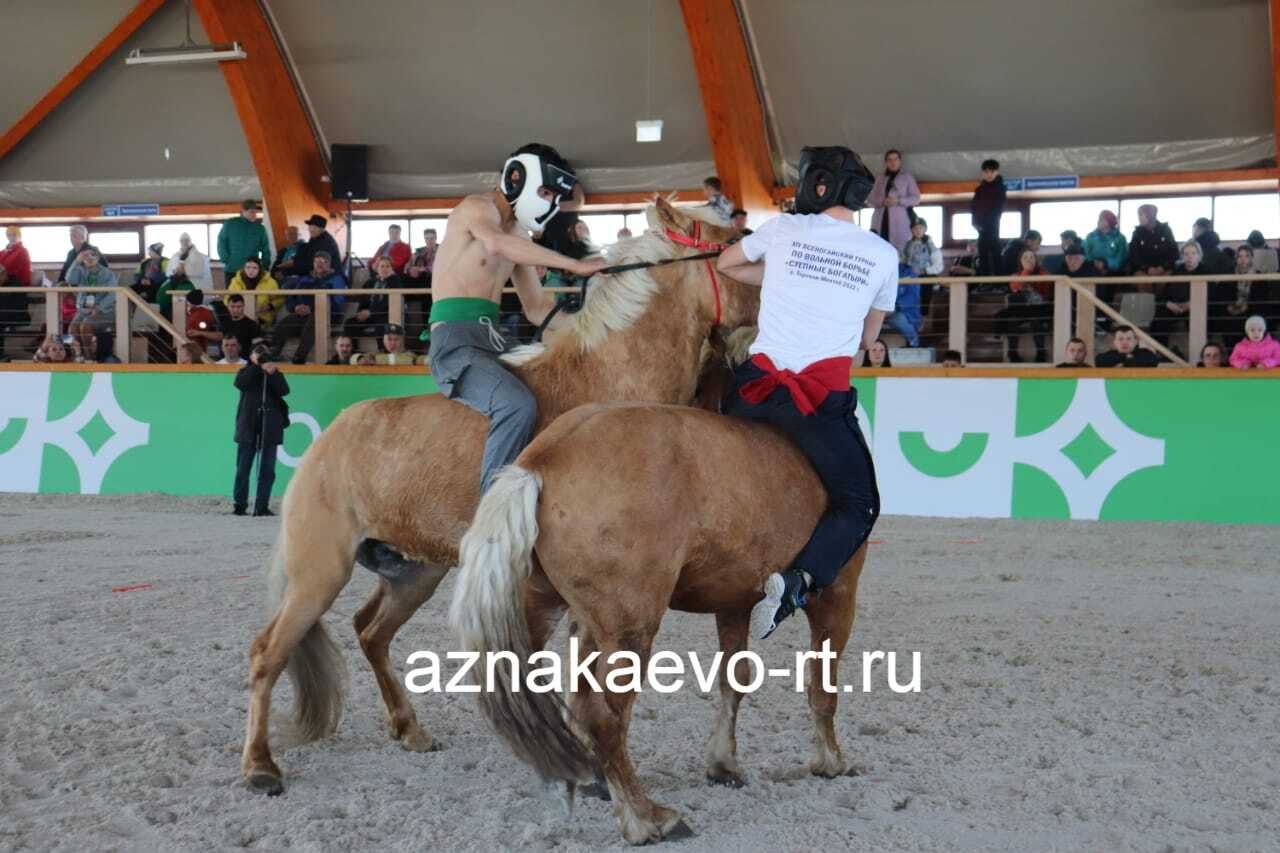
{"x":808,"y":388}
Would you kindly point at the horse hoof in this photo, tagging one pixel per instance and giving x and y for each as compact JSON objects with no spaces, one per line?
{"x":679,"y":832}
{"x":419,"y":741}
{"x":829,"y":768}
{"x":725,"y":779}
{"x":596,"y":790}
{"x":267,"y":783}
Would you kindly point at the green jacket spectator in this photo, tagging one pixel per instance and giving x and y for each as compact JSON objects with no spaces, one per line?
{"x":1110,"y":248}
{"x":164,"y":296}
{"x":242,"y":238}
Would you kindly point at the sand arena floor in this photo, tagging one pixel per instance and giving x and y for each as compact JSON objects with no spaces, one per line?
{"x":1084,"y":686}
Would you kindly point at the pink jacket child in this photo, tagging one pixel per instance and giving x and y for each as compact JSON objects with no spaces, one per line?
{"x":1258,"y":349}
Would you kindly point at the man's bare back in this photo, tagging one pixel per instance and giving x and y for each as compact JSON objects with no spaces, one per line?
{"x":484,"y":247}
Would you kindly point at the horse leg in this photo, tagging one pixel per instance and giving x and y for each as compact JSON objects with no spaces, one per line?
{"x":296,"y":631}
{"x":830,"y":619}
{"x":543,"y":608}
{"x":392,"y":603}
{"x":722,"y":752}
{"x":605,"y":718}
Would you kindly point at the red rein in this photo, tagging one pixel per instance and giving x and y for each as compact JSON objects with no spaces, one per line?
{"x":696,"y":242}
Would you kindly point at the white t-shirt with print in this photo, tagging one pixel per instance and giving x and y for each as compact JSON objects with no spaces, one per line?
{"x":822,"y":276}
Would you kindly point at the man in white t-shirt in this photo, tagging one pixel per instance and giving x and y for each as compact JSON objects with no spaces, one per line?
{"x":827,"y":286}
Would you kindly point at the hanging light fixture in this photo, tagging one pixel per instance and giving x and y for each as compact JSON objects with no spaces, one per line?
{"x":650,"y":129}
{"x":188,"y":51}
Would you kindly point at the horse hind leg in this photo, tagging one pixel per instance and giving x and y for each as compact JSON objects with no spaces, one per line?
{"x":605,"y":719}
{"x":313,"y":573}
{"x":403,"y":586}
{"x":722,"y":751}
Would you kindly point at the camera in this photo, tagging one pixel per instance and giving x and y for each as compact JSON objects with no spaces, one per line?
{"x":261,"y":354}
{"x":68,"y":340}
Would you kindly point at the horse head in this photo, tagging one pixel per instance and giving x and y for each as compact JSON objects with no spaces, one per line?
{"x":725,"y":301}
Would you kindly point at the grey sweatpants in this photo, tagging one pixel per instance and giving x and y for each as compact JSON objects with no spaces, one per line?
{"x":465,"y":366}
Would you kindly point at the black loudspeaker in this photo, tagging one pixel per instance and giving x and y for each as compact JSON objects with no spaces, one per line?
{"x":350,"y":171}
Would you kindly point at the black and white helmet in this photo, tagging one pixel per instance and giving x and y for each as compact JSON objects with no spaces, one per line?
{"x":529,"y":169}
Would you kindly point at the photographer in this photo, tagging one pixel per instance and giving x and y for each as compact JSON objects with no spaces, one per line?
{"x":261,"y":419}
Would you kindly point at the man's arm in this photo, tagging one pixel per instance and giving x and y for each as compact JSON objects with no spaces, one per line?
{"x":871,"y":328}
{"x":536,"y":301}
{"x":524,"y":252}
{"x":733,"y":263}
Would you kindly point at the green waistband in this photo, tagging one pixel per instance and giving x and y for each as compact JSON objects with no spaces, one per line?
{"x":462,"y":308}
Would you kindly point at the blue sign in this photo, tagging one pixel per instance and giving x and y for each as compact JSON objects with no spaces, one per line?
{"x":1052,"y":182}
{"x":131,"y":210}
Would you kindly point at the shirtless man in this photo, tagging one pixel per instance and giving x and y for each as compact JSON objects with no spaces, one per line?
{"x":487,"y":241}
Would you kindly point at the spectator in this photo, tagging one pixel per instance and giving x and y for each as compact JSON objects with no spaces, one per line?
{"x":906,"y":318}
{"x":1030,"y":303}
{"x":151,"y":273}
{"x":582,"y":234}
{"x":1174,"y":302}
{"x":1211,"y":356}
{"x":1011,"y":260}
{"x":95,"y":310}
{"x":1077,"y":351}
{"x":371,"y":313}
{"x":393,"y":343}
{"x":176,"y":283}
{"x":920,"y":253}
{"x":15,"y":259}
{"x":284,"y":262}
{"x":424,"y":260}
{"x":14,"y":310}
{"x":104,"y":348}
{"x":238,"y":325}
{"x":877,"y":356}
{"x":894,"y":195}
{"x":342,"y":350}
{"x":1074,"y":257}
{"x":986,"y":208}
{"x":1264,"y":257}
{"x":191,"y":262}
{"x":1210,"y":246}
{"x":190,"y":353}
{"x":231,"y":350}
{"x":1229,"y":300}
{"x":395,"y":249}
{"x":1057,"y":264}
{"x":261,"y":419}
{"x":202,"y":325}
{"x":321,"y":241}
{"x":243,"y":237}
{"x":713,"y":191}
{"x":251,"y":277}
{"x":1258,"y":350}
{"x":967,"y":263}
{"x":1125,"y":351}
{"x":55,"y":351}
{"x":1152,"y":249}
{"x":300,"y":321}
{"x":952,"y":358}
{"x":79,"y":243}
{"x":364,"y":359}
{"x":1105,"y":248}
{"x":738,"y":222}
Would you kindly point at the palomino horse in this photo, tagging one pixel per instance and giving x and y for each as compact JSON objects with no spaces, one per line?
{"x":618,"y":512}
{"x":395,"y":482}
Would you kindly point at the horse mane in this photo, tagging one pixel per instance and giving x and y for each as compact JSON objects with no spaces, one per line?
{"x":613,"y":302}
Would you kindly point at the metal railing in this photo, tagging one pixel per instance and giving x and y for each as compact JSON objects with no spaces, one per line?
{"x":961,"y":313}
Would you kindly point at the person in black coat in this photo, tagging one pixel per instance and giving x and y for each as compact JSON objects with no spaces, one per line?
{"x":1152,"y":249}
{"x":986,"y":209}
{"x":261,"y":419}
{"x":321,"y":241}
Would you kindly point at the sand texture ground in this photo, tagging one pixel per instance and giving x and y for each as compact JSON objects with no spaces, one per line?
{"x":1084,"y":686}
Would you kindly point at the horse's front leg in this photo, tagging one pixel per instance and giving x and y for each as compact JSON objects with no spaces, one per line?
{"x":830,"y":619}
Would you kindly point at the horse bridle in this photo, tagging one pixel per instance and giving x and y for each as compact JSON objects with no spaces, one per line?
{"x":708,"y":250}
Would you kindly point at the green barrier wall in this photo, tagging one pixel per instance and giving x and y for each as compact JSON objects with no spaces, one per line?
{"x":1133,"y":449}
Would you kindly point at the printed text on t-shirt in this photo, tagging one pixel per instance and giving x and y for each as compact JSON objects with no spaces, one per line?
{"x":829,"y":266}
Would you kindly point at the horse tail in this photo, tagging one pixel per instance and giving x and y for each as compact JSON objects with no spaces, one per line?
{"x":317,"y":669}
{"x":488,"y":615}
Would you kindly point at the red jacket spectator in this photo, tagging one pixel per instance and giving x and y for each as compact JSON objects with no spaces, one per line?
{"x":396,"y":249}
{"x":15,"y":259}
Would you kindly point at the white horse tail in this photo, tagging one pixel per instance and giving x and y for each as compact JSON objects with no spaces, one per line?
{"x":488,"y":615}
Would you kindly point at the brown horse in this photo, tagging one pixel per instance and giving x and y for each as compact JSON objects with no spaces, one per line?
{"x":395,"y":482}
{"x":618,"y":512}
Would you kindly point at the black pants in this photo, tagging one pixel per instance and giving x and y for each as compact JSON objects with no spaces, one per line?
{"x":295,"y":326}
{"x":246,"y":452}
{"x":989,"y":250}
{"x":832,"y":442}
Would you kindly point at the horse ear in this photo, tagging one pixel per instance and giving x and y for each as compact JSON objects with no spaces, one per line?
{"x":668,"y":216}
